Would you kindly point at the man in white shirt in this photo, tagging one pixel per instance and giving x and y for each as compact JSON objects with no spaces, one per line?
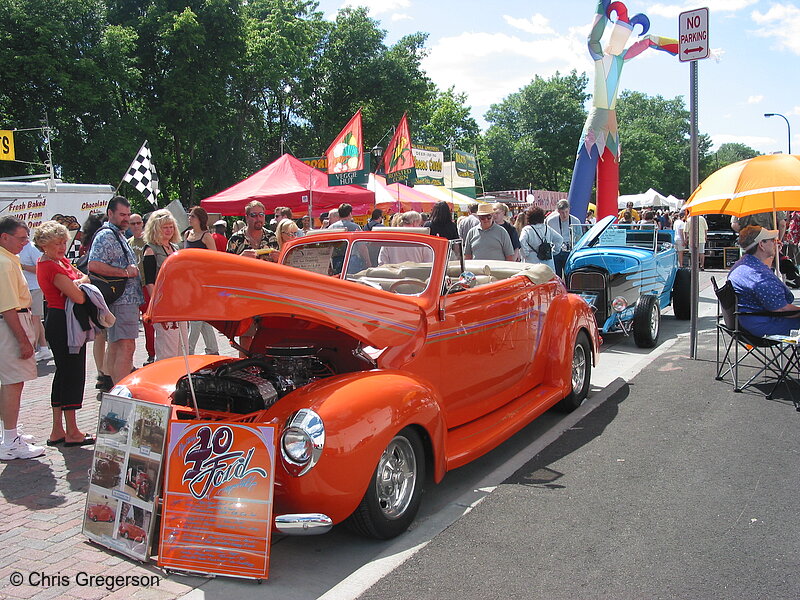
{"x":561,"y":221}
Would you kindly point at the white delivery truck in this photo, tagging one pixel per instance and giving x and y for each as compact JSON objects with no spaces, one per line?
{"x":70,"y":204}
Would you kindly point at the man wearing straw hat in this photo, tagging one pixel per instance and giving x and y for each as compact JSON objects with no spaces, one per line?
{"x":487,"y":241}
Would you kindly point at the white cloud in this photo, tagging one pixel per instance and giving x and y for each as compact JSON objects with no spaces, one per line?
{"x":489,"y":66}
{"x":714,"y":7}
{"x":378,"y":7}
{"x":781,"y":23}
{"x":795,"y":111}
{"x":536,"y":25}
{"x":754,"y":99}
{"x":761,"y":143}
{"x":401,"y":17}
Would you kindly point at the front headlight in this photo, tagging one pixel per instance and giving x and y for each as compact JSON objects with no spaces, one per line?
{"x":302,"y":441}
{"x":619,"y":304}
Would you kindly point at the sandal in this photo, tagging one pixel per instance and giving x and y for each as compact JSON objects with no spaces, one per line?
{"x":87,"y":440}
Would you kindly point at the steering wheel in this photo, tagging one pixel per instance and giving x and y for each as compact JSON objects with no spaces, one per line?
{"x":414,"y":282}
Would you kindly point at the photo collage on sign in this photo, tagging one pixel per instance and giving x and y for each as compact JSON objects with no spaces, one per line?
{"x":125,"y":474}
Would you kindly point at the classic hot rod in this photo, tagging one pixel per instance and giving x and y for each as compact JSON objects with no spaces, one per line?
{"x":383,"y":358}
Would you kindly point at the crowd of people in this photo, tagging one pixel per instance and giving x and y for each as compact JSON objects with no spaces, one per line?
{"x":123,"y":252}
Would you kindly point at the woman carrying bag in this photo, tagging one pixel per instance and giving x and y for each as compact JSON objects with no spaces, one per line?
{"x":59,"y":280}
{"x":536,"y":238}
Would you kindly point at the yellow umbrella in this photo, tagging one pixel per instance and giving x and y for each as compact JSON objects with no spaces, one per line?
{"x":765,"y":183}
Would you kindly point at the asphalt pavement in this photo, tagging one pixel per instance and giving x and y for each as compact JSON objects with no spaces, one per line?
{"x":675,"y":487}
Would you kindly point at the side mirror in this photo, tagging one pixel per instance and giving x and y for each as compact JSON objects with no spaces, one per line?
{"x":466,"y":280}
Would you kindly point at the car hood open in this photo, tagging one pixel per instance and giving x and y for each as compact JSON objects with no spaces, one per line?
{"x":229,"y":290}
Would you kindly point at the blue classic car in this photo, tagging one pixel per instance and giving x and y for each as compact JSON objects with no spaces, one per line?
{"x":629,"y":275}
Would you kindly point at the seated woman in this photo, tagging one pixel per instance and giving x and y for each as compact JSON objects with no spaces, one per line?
{"x":757,"y":286}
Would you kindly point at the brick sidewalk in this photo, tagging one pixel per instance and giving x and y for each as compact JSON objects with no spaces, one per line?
{"x":43,"y":502}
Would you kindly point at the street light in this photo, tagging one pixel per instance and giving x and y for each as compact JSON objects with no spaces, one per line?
{"x":789,"y":127}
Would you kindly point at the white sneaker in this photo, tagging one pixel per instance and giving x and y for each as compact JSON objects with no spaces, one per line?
{"x":25,"y":437}
{"x":19,"y":449}
{"x":43,"y":353}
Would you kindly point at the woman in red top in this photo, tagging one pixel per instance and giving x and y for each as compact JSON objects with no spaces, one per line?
{"x":59,"y":280}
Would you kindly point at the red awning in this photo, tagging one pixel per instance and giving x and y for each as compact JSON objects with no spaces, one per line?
{"x":289,"y":182}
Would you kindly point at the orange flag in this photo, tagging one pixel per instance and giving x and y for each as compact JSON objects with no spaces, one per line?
{"x":398,"y":156}
{"x":346,"y":152}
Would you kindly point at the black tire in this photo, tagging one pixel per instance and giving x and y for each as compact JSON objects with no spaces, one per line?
{"x":94,"y":518}
{"x":646,"y":322}
{"x":125,"y":534}
{"x":581,"y":370}
{"x":682,"y":295}
{"x":394,"y":493}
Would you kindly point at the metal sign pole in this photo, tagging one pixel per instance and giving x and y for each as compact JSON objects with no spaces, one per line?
{"x":695,"y":237}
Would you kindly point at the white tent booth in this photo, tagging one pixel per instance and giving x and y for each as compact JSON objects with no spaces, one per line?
{"x":650,"y":198}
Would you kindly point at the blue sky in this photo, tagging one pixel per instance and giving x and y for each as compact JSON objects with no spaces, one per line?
{"x":491,"y":49}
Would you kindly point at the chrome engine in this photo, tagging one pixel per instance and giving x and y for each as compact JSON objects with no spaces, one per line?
{"x":255,"y":383}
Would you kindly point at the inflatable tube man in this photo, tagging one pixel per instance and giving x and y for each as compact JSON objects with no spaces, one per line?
{"x":598,"y":150}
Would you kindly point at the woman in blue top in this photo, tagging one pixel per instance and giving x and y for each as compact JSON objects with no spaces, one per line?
{"x":757,"y":286}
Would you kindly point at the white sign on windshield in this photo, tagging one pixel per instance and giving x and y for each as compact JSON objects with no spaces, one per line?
{"x":613,"y":237}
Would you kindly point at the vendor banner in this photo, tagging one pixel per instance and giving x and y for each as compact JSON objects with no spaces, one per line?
{"x":466,"y":164}
{"x":428,"y":163}
{"x":346,"y":153}
{"x":218,"y":495}
{"x":398,"y":161}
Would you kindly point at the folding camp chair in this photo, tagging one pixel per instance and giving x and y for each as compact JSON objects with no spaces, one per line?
{"x":770,"y":358}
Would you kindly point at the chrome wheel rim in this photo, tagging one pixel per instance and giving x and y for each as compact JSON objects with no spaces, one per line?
{"x":396,"y":478}
{"x":578,"y":368}
{"x":654,"y":314}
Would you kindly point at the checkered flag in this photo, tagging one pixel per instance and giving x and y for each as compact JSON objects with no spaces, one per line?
{"x":142,"y":174}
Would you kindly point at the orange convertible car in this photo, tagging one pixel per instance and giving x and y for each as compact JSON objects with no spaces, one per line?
{"x":382,"y":357}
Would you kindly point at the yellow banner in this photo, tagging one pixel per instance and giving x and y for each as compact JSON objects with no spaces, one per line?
{"x":6,"y":145}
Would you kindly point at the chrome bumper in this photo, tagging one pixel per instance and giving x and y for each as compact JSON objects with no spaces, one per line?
{"x":303,"y":524}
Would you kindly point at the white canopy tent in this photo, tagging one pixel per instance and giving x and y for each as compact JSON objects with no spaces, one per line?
{"x":645,"y":200}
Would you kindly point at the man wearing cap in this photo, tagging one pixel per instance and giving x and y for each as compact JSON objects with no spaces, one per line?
{"x":757,"y":286}
{"x":220,"y":241}
{"x":17,"y":333}
{"x":487,"y":240}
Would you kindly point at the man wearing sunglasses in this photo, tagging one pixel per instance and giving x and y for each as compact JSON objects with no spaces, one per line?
{"x":487,"y":241}
{"x":758,"y":288}
{"x":255,"y":238}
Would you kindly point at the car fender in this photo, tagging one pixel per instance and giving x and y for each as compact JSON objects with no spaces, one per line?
{"x":568,"y":314}
{"x":361,"y":413}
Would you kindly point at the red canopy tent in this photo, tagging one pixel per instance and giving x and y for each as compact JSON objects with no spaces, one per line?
{"x":289,"y":182}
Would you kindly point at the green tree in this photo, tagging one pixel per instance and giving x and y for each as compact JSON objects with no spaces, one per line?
{"x":534,"y":134}
{"x":445,"y":119}
{"x":725,"y":155}
{"x":654,"y":135}
{"x":355,"y":69}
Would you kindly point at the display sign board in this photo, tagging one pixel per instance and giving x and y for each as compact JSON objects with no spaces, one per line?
{"x":613,"y":236}
{"x":217,"y":510}
{"x":125,"y":473}
{"x":693,"y":35}
{"x":7,"y":145}
{"x":428,"y":161}
{"x":731,"y":255}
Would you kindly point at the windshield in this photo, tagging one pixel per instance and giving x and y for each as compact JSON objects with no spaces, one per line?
{"x":399,"y":267}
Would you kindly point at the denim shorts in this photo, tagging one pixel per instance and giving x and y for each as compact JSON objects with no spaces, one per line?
{"x":127,"y":324}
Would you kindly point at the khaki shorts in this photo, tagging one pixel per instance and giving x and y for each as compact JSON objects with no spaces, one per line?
{"x":14,"y":369}
{"x":37,"y":308}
